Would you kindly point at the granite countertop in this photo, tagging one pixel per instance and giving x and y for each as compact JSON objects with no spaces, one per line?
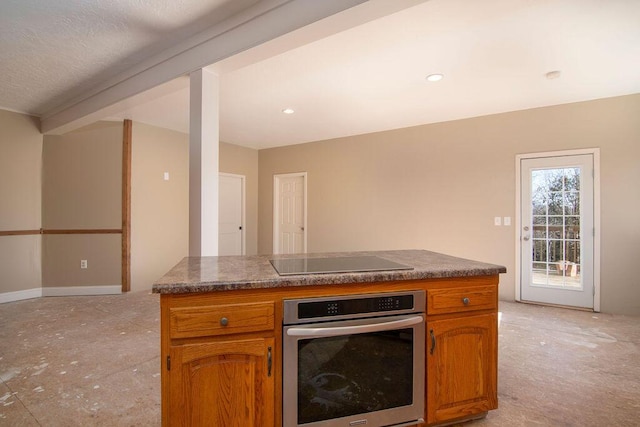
{"x":210,"y":274}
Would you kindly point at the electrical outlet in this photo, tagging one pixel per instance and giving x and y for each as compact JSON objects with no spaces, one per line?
{"x":506,"y":220}
{"x":166,"y":176}
{"x":497,"y":220}
{"x":83,"y":263}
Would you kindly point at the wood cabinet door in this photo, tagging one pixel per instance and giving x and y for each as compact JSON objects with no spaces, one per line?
{"x":461,"y":367}
{"x":222,"y":384}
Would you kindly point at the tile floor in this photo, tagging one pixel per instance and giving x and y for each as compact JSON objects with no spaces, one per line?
{"x":94,"y":361}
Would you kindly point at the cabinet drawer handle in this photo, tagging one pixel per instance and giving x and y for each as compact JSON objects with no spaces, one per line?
{"x":466,"y":301}
{"x":224,"y":321}
{"x":433,"y":342}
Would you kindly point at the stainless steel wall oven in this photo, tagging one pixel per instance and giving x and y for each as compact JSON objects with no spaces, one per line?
{"x":354,"y":360}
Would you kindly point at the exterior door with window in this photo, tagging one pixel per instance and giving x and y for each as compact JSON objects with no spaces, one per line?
{"x":557,"y":230}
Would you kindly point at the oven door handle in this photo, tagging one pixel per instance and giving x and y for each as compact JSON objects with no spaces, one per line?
{"x":360,"y":329}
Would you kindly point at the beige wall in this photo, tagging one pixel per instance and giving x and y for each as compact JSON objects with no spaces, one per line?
{"x":63,"y":252}
{"x":244,"y":161}
{"x":439,"y":186}
{"x":82,"y":189}
{"x":159,"y":208}
{"x":435,"y":186}
{"x":20,"y":201}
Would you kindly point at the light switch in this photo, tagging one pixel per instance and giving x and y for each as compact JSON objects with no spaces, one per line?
{"x":506,"y":220}
{"x":497,"y":220}
{"x":166,"y":176}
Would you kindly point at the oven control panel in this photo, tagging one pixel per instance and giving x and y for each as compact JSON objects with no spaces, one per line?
{"x":353,"y":306}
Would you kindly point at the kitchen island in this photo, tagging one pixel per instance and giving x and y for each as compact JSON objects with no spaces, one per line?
{"x":222,"y":333}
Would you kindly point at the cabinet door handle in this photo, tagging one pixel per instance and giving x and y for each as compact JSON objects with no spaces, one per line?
{"x":269,"y":361}
{"x":433,"y":342}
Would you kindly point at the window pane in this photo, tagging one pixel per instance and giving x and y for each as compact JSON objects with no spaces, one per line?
{"x":555,"y":232}
{"x":540,"y":250}
{"x":572,"y":203}
{"x":539,"y":204}
{"x":556,"y":252}
{"x":573,"y":221}
{"x":540,"y":266}
{"x":554,"y":179}
{"x":555,"y":203}
{"x":572,"y":227}
{"x":539,"y":220}
{"x":572,"y":251}
{"x":555,"y":221}
{"x":572,"y":179}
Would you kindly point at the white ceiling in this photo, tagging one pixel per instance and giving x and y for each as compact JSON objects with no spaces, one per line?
{"x":494,"y":55}
{"x":52,"y":51}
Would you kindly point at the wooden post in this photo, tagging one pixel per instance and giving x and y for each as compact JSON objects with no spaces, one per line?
{"x":126,"y":206}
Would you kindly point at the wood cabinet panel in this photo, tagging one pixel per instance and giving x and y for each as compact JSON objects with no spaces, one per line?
{"x":222,"y":384}
{"x":461,"y":367}
{"x":189,"y":322}
{"x":220,"y":374}
{"x":458,"y":300}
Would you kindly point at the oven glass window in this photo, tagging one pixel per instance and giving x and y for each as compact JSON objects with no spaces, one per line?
{"x":354,"y":374}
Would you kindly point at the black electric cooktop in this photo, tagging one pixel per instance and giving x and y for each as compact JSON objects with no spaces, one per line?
{"x":348,"y":264}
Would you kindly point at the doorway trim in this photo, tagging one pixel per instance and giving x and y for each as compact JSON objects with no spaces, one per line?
{"x":276,"y":217}
{"x":596,"y":216}
{"x":244,"y":212}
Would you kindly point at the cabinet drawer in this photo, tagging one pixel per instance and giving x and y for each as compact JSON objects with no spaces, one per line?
{"x":452,"y":300}
{"x":188,"y":322}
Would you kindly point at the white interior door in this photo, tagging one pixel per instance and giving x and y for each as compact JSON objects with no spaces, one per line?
{"x":557,"y":230}
{"x":231,"y":215}
{"x":290,"y":213}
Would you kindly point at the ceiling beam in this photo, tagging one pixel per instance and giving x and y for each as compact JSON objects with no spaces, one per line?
{"x":261,"y":22}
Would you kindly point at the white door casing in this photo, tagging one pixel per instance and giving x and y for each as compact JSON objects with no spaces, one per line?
{"x":231,"y":229}
{"x":290,"y":213}
{"x":557,"y":228}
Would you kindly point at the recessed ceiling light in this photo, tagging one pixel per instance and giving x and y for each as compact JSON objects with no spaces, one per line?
{"x":435,"y":77}
{"x":552,"y":74}
{"x":288,"y":111}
